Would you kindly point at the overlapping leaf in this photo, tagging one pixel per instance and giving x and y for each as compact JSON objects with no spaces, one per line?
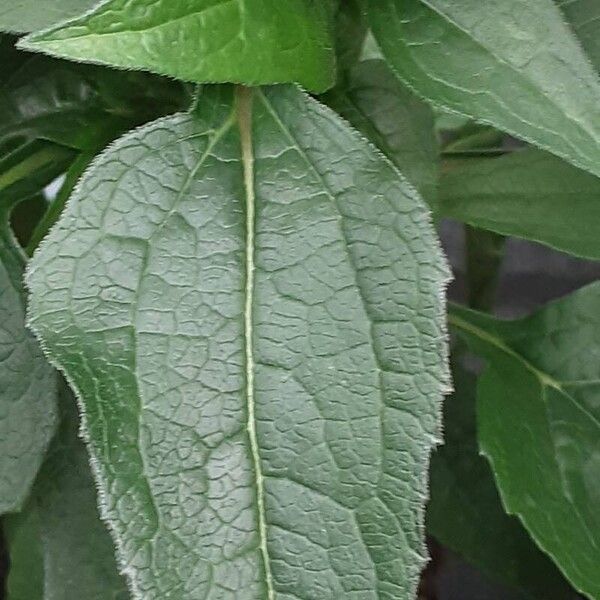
{"x":393,"y":118}
{"x":27,"y":382}
{"x":584,"y":17}
{"x":59,"y":549}
{"x":465,"y":512}
{"x":529,"y":194}
{"x":515,"y":65}
{"x":248,"y":301}
{"x":539,"y":424}
{"x":21,"y":16}
{"x":245,"y":41}
{"x":80,"y":106}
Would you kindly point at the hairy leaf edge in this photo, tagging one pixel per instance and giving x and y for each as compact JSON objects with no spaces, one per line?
{"x":446,"y":386}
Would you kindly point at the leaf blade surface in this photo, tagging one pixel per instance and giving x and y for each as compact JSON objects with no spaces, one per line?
{"x":499,"y":63}
{"x":529,"y":194}
{"x":543,"y":369}
{"x":289,"y":396}
{"x":205,"y":41}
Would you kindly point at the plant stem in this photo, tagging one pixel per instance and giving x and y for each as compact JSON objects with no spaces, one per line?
{"x":484,"y":255}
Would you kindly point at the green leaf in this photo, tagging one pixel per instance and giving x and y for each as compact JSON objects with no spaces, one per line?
{"x":244,"y":41}
{"x":528,"y":194}
{"x":350,"y":32}
{"x":584,"y":17}
{"x":59,"y":549}
{"x":81,"y":106}
{"x":512,"y":64}
{"x":539,"y":424}
{"x":27,"y":382}
{"x":248,"y":300}
{"x":393,"y":118}
{"x":21,"y":16}
{"x":465,"y":513}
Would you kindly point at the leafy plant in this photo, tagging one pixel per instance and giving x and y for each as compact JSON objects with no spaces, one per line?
{"x":237,"y":295}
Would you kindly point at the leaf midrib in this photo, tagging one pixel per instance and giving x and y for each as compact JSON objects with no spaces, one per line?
{"x":243,"y":110}
{"x":544,"y":379}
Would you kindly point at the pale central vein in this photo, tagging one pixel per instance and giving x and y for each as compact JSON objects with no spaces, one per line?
{"x":244,"y":113}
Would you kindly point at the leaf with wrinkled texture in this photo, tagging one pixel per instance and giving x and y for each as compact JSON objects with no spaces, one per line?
{"x":81,"y":106}
{"x":27,"y":382}
{"x":243,"y":41}
{"x":59,"y":549}
{"x":22,"y":16}
{"x":529,"y":194}
{"x":515,"y":65}
{"x":248,"y":300}
{"x":539,"y":424}
{"x":393,"y":118}
{"x":465,"y":512}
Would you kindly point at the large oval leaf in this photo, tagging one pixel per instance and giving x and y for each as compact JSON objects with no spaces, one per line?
{"x":245,"y":41}
{"x":248,"y":301}
{"x":539,"y":424}
{"x":513,"y":64}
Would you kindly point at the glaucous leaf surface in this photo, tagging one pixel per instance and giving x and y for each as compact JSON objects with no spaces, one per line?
{"x":399,"y":123}
{"x":539,"y":424}
{"x":466,"y":515}
{"x":584,"y":18}
{"x":244,"y":41}
{"x":22,"y":16}
{"x":248,"y":301}
{"x":529,"y":194}
{"x":81,"y":106}
{"x":59,"y":549}
{"x":27,"y":382}
{"x":515,"y":65}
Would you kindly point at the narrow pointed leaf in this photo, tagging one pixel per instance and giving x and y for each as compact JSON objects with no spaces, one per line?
{"x":59,"y":549}
{"x":539,"y":424}
{"x":245,"y":41}
{"x":248,"y":301}
{"x":465,"y":512}
{"x":27,"y":382}
{"x":22,"y":16}
{"x":529,"y":194}
{"x":515,"y":65}
{"x":399,"y":123}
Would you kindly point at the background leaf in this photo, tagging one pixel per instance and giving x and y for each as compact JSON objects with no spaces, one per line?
{"x":59,"y":549}
{"x":529,"y":194}
{"x":21,"y":16}
{"x":538,"y":421}
{"x":393,"y":118}
{"x":515,"y":65}
{"x":584,"y":17}
{"x":465,"y":512}
{"x":250,"y":41}
{"x":262,"y":400}
{"x":27,"y":382}
{"x":80,"y":106}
